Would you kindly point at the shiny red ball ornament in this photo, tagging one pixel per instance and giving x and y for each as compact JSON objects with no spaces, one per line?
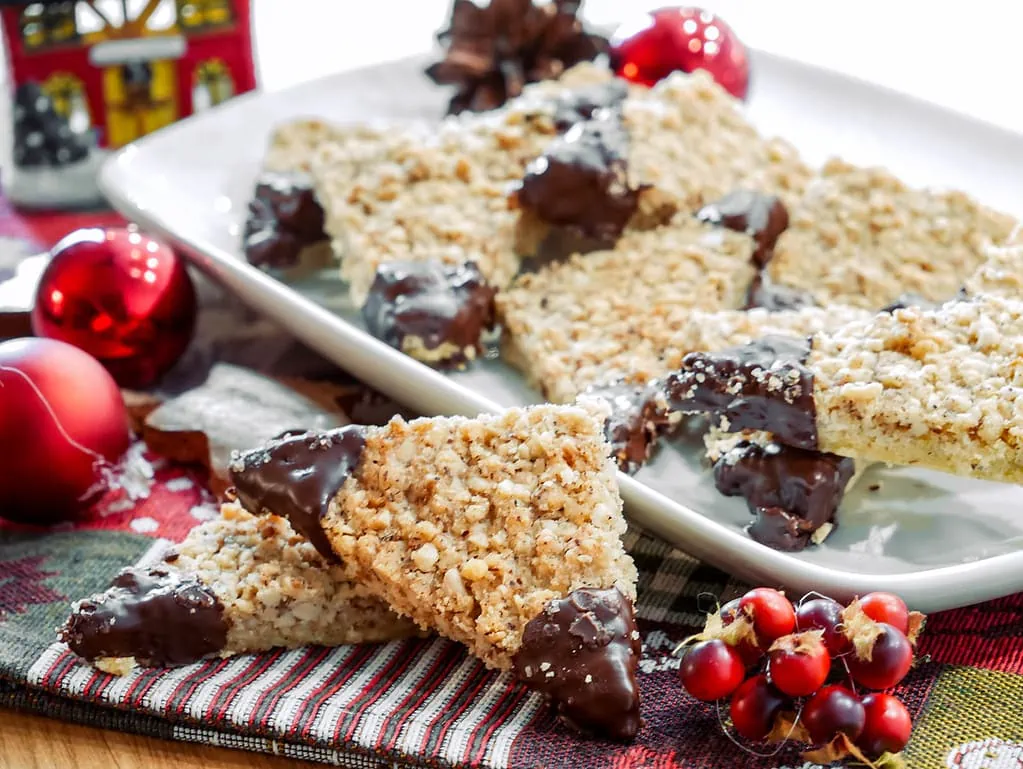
{"x":63,"y":426}
{"x":656,"y":44}
{"x":123,"y":297}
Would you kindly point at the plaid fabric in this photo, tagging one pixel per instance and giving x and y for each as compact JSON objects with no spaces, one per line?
{"x":425,"y":703}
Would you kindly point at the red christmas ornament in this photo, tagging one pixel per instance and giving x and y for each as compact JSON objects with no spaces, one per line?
{"x":62,"y":426}
{"x":656,"y":44}
{"x":121,"y":296}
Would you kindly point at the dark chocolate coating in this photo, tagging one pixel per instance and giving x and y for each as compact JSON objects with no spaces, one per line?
{"x":763,"y":217}
{"x":793,"y":492}
{"x":298,"y":476}
{"x":581,"y":181}
{"x":583,"y":652}
{"x":158,"y":615}
{"x":434,"y":302}
{"x":284,"y":218}
{"x":637,"y":419}
{"x":762,"y":385}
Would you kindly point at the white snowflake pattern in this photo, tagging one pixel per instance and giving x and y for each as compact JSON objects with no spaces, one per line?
{"x":144,"y":525}
{"x":203,"y":513}
{"x":122,"y":505}
{"x":183,"y":483}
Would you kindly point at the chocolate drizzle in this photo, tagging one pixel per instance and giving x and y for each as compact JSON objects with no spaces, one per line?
{"x":445,"y":308}
{"x":581,"y":181}
{"x":284,"y":218}
{"x":158,"y":616}
{"x":763,"y":385}
{"x":792,"y":492}
{"x":583,"y":652}
{"x":298,"y":476}
{"x":763,"y":217}
{"x":638,"y":418}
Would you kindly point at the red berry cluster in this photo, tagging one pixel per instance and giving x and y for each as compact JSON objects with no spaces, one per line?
{"x":812,"y":673}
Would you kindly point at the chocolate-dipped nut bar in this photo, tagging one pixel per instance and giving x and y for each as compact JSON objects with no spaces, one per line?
{"x":939,"y":388}
{"x":434,"y":312}
{"x":793,"y":493}
{"x":637,"y":417}
{"x":440,"y":192}
{"x":639,"y":414}
{"x":703,"y":331}
{"x":860,"y":236}
{"x":284,"y":226}
{"x":681,"y":144}
{"x":502,"y":532}
{"x":575,"y":324}
{"x":239,"y":583}
{"x":609,"y":315}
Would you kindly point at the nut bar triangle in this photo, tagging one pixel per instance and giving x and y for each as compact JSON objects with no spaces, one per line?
{"x":236,"y":584}
{"x":502,"y":532}
{"x":939,"y":388}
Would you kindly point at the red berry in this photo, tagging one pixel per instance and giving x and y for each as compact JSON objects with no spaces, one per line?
{"x":887,"y":608}
{"x":711,"y":670}
{"x":887,"y":726}
{"x":890,"y":660}
{"x":799,"y":664}
{"x":729,"y":612}
{"x":832,"y":711}
{"x":824,"y":614}
{"x":749,"y":648}
{"x":754,"y":707}
{"x":653,"y":45}
{"x":771,"y":612}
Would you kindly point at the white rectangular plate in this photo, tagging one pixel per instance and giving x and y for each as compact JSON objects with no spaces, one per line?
{"x":939,"y":541}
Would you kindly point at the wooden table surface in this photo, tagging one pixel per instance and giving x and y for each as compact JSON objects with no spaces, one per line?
{"x":34,"y":742}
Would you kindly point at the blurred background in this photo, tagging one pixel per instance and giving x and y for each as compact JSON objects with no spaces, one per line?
{"x":967,"y":56}
{"x":86,"y":82}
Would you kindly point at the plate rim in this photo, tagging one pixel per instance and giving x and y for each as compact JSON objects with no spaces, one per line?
{"x":929,"y":589}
